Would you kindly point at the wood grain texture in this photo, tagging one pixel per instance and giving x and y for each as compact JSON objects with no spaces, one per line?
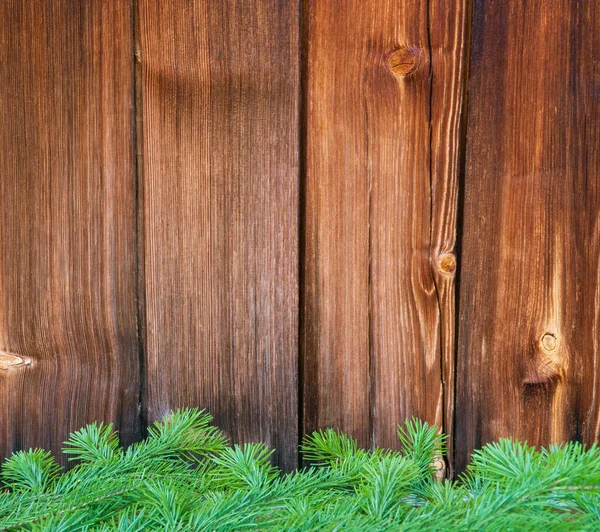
{"x":335,"y":315}
{"x":449,"y":49}
{"x":528,"y":340}
{"x":67,"y":221}
{"x":220,"y":92}
{"x":381,"y":192}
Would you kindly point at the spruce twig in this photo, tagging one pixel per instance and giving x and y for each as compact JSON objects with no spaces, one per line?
{"x":185,"y":477}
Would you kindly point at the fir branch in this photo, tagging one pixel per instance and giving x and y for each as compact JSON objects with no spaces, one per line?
{"x":185,"y":477}
{"x":74,"y":508}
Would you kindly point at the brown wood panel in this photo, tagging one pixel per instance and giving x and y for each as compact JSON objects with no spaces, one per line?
{"x":220,"y":92}
{"x":384,"y":97}
{"x":449,"y":24}
{"x":529,"y":314}
{"x":335,"y":315}
{"x":67,"y":221}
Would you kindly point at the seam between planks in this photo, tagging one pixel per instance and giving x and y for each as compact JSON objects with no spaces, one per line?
{"x":462,"y":151}
{"x":302,"y":184}
{"x":139,"y":216}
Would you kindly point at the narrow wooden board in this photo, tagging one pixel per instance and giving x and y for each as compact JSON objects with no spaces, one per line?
{"x":335,"y":315}
{"x":449,"y":37}
{"x":220,"y":92}
{"x":67,"y":222}
{"x":381,"y":194}
{"x":528,"y":342}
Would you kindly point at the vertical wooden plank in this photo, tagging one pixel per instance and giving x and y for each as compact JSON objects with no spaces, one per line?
{"x":449,"y":25}
{"x":67,"y":221}
{"x":220,"y":91}
{"x":382,"y":160}
{"x":405,"y":350}
{"x":528,"y":341}
{"x":335,"y":321}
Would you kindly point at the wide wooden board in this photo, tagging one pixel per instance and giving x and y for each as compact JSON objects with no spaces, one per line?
{"x":68,"y":331}
{"x":220,"y":166}
{"x":383,"y":102}
{"x":528,"y":351}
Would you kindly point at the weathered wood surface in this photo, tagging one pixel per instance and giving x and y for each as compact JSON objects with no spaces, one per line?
{"x":283,"y":251}
{"x":384,"y":88}
{"x":528,"y":342}
{"x":220,"y":106}
{"x":67,"y":222}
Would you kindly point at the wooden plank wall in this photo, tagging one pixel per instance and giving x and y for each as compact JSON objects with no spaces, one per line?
{"x":300,"y":214}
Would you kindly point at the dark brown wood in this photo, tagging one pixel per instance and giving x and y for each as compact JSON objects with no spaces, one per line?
{"x":384,"y":97}
{"x":67,"y":222}
{"x":528,"y":342}
{"x":220,"y":92}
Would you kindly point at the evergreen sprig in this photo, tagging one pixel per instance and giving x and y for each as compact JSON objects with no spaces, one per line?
{"x":186,"y":477}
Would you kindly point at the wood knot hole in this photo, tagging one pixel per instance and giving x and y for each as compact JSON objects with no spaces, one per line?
{"x":548,"y":341}
{"x":447,"y":263}
{"x":404,"y":60}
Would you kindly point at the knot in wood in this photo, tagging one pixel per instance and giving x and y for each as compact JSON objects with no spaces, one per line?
{"x":438,"y":466}
{"x":10,"y":360}
{"x":550,"y":363}
{"x":447,"y":263}
{"x":548,"y":341}
{"x":404,"y":60}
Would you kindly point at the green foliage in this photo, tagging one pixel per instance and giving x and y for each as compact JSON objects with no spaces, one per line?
{"x":421,"y":442}
{"x":30,"y":472}
{"x":91,"y":443}
{"x":185,"y":476}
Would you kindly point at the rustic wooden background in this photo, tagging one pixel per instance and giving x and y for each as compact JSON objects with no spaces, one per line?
{"x":299,"y":214}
